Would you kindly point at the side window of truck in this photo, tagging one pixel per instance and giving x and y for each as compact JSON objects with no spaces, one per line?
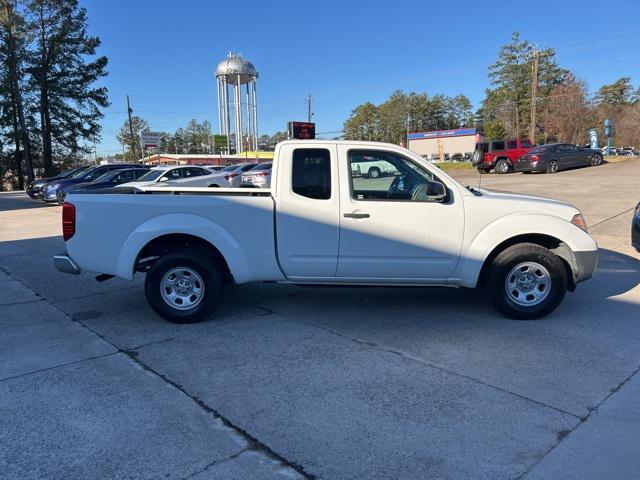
{"x":311,"y":173}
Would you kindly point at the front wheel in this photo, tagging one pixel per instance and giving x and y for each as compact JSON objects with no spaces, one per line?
{"x":526,"y":281}
{"x":596,"y":160}
{"x":184,"y":286}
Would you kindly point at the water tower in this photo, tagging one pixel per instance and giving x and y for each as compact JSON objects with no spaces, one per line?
{"x":236,"y":78}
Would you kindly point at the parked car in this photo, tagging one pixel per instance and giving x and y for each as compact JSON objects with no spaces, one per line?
{"x":109,"y":179}
{"x":320,"y":225}
{"x":231,"y":176}
{"x":628,"y":151}
{"x":370,"y":167}
{"x":172,"y":176}
{"x":499,"y":155}
{"x":552,"y":158}
{"x":635,"y":229}
{"x":258,"y":177}
{"x":34,"y":189}
{"x":50,"y":191}
{"x":214,"y":168}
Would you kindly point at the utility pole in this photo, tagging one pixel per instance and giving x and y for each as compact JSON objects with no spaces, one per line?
{"x":534,"y":95}
{"x":133,"y":140}
{"x":309,"y":113}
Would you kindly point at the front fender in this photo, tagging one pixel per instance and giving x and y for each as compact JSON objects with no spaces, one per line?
{"x":190,"y":224}
{"x":510,"y":226}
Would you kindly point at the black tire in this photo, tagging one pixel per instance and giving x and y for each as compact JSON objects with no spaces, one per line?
{"x":502,"y":166}
{"x":194,"y":259}
{"x":596,"y":160}
{"x":553,"y":167}
{"x":374,"y":172}
{"x":506,"y":261}
{"x":213,"y":185}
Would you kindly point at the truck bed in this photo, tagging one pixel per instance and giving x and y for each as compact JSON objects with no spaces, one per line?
{"x":113,"y":226}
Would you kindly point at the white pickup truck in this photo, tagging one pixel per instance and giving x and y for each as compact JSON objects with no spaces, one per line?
{"x":320,"y":224}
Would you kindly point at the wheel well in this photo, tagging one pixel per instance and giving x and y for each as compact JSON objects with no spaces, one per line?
{"x":162,"y":245}
{"x":557,"y":246}
{"x":504,"y":158}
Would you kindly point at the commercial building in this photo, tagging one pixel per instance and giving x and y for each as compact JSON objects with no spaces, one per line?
{"x":456,"y":144}
{"x":205,"y":158}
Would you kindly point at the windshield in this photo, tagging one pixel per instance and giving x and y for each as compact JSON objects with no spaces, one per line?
{"x":106,"y":177}
{"x":540,"y":149}
{"x":230,"y":168}
{"x":151,"y":175}
{"x":79,"y":172}
{"x":261,"y":166}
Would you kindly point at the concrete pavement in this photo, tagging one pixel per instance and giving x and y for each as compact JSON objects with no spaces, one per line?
{"x":289,"y":382}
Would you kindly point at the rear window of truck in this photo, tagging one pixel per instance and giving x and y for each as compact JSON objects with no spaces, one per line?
{"x":311,"y":173}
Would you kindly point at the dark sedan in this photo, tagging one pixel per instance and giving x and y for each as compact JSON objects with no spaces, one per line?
{"x":554,"y":157}
{"x":50,"y":191}
{"x":109,"y":179}
{"x":635,"y":229}
{"x":34,"y":189}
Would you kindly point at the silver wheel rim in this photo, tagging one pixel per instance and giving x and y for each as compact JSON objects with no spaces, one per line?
{"x":553,"y":167}
{"x":503,"y":167}
{"x":528,"y":284}
{"x":182,"y":288}
{"x":596,"y":160}
{"x":373,"y":173}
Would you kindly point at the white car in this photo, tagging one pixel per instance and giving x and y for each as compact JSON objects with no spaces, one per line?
{"x":258,"y":177}
{"x":320,"y":224}
{"x":371,"y":167}
{"x":231,"y":176}
{"x":180,"y":175}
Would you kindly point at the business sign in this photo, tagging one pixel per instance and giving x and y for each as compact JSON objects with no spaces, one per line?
{"x":460,"y":132}
{"x":593,"y":139}
{"x":220,"y":141}
{"x":302,"y":130}
{"x":150,"y":139}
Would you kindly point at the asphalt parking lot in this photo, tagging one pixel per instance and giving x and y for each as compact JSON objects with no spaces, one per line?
{"x":290,"y":382}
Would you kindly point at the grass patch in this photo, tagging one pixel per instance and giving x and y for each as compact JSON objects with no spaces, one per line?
{"x":618,"y":158}
{"x":454,"y":165}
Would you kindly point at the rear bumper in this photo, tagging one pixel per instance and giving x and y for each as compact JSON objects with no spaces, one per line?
{"x":586,"y":263}
{"x":529,"y":167}
{"x":65,"y":264}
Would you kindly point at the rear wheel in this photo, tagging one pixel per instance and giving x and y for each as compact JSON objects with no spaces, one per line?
{"x":526,"y":281}
{"x":502,"y":166}
{"x":553,"y":167}
{"x":374,"y":172}
{"x":185,"y":285}
{"x":596,"y":160}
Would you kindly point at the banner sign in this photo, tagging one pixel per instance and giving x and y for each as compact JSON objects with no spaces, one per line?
{"x":460,"y":132}
{"x":593,"y":139}
{"x":302,"y":130}
{"x":150,"y":139}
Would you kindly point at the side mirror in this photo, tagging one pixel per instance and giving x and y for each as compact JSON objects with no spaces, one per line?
{"x":436,"y":191}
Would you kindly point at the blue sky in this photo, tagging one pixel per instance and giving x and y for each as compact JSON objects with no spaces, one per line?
{"x":163,"y":53}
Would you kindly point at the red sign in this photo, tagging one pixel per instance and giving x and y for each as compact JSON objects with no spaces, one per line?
{"x":302,"y":130}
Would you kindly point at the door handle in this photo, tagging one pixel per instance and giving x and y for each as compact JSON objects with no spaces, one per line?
{"x":356,"y":215}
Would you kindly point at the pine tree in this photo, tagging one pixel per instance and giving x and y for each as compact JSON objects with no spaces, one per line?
{"x":64,"y":76}
{"x":13,"y":48}
{"x":138,"y":125}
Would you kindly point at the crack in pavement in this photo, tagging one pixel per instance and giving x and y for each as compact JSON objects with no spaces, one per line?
{"x":566,"y":433}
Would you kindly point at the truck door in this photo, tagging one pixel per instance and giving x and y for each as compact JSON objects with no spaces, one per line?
{"x":389,"y":227}
{"x":307,"y":210}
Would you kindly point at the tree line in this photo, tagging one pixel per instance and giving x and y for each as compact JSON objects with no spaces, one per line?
{"x":565,"y":111}
{"x":195,"y":138}
{"x":50,"y":105}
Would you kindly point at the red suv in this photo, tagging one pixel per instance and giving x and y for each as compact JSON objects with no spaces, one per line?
{"x":500,"y":155}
